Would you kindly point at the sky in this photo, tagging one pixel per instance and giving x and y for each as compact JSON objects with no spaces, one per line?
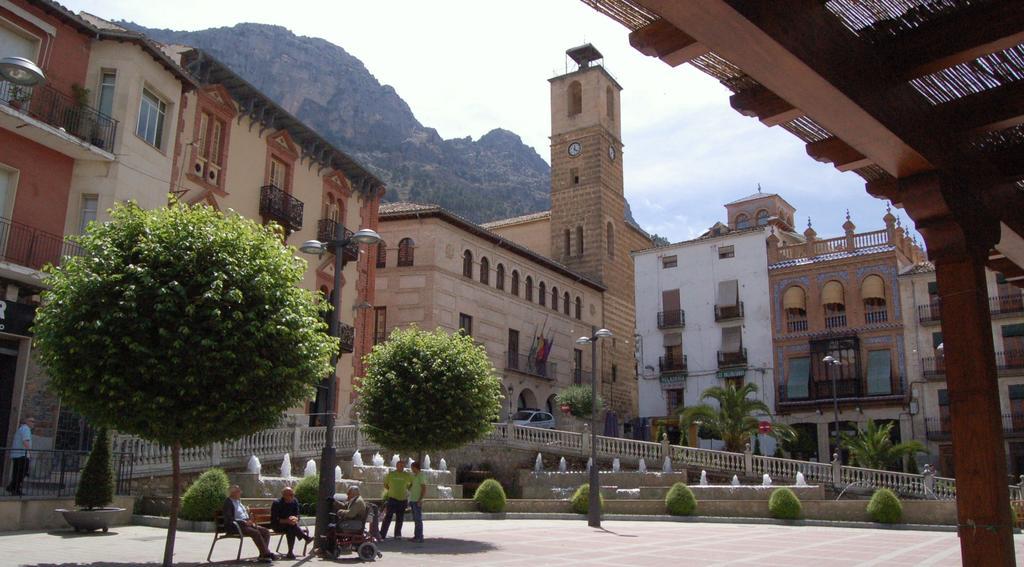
{"x":466,"y":67}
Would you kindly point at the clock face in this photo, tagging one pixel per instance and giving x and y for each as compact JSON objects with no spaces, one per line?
{"x":611,"y":152}
{"x":575,"y":148}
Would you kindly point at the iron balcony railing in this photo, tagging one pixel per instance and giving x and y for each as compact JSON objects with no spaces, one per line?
{"x":1007,"y":362}
{"x":526,"y":364}
{"x":671,"y":319}
{"x":876,"y":316}
{"x":738,"y":358}
{"x":726,"y":312}
{"x":325,"y":232}
{"x":279,"y":206}
{"x":837,"y":321}
{"x":820,"y":391}
{"x":672,"y":364}
{"x":796,"y":325}
{"x":580,"y":376}
{"x":59,"y":110}
{"x":930,"y":312}
{"x":933,"y":368}
{"x":28,"y":246}
{"x":1006,"y":304}
{"x":53,"y":473}
{"x":941,"y":428}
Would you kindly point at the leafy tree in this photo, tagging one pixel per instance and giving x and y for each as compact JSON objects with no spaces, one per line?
{"x":736,"y":418}
{"x":659,"y":240}
{"x":873,"y":448}
{"x":578,"y":398}
{"x":183,"y":326}
{"x":96,"y":485}
{"x":428,"y":391}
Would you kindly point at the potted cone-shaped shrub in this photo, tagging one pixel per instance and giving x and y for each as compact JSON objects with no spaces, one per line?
{"x":95,"y":490}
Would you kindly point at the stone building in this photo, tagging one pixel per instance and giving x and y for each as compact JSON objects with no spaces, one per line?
{"x":926,"y":368}
{"x":838,"y":332}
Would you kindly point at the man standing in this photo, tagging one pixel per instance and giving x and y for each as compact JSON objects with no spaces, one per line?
{"x":396,"y":491}
{"x":20,"y":447}
{"x":416,"y":492}
{"x":284,"y":518}
{"x":237,"y":514}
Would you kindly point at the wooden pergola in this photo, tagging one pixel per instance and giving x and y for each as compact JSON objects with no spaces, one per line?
{"x":924,"y":99}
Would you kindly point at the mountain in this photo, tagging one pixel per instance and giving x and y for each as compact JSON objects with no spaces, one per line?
{"x":494,"y":177}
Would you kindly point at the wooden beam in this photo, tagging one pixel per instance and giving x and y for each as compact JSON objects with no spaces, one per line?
{"x":838,"y":153}
{"x":994,"y":109}
{"x":761,"y":103}
{"x":964,"y":35}
{"x":663,"y":40}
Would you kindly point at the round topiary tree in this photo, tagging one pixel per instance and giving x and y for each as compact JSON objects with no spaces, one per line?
{"x":581,"y":499}
{"x":578,"y":398}
{"x":680,"y":500}
{"x":885,"y":507}
{"x":428,"y":391}
{"x":96,"y":484}
{"x":490,"y":496}
{"x":306,"y":492}
{"x":184,"y":326}
{"x":205,"y":496}
{"x":784,"y":505}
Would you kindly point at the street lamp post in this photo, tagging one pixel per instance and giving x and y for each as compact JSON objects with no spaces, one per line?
{"x":327,"y":457}
{"x":832,"y":363}
{"x":594,"y":505}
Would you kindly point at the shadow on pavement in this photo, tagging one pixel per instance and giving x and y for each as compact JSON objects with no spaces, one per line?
{"x":69,"y":534}
{"x":436,"y":546}
{"x":607,"y":531}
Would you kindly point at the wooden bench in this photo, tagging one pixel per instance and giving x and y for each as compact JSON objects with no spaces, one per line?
{"x":259,"y":516}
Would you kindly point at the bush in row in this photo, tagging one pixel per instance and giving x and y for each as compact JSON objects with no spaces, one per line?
{"x":680,"y":500}
{"x":884,"y":507}
{"x":581,"y":500}
{"x":784,"y":505}
{"x":205,"y":496}
{"x":490,"y":496}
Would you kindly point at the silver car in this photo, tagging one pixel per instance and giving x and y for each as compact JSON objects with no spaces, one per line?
{"x":534,"y":418}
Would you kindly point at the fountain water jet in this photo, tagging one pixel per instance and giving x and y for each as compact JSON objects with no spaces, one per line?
{"x":562,"y":467}
{"x":766,"y":480}
{"x":590,"y":463}
{"x":538,"y":464}
{"x":703,"y":478}
{"x":426,"y":463}
{"x":666,"y":465}
{"x":337,"y":473}
{"x":286,"y":466}
{"x":616,"y":465}
{"x":310,"y":469}
{"x":642,"y":467}
{"x":377,"y":460}
{"x":254,"y":466}
{"x":357,"y":459}
{"x":800,"y":480}
{"x":443,"y":466}
{"x":735,"y":480}
{"x":394,"y":461}
{"x":445,"y":493}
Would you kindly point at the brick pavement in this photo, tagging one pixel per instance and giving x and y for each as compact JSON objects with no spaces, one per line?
{"x":525,"y":542}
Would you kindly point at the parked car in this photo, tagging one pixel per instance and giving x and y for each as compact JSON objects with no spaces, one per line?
{"x":534,"y":418}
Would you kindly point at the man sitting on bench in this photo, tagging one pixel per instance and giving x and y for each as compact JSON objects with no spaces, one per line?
{"x":234,"y":511}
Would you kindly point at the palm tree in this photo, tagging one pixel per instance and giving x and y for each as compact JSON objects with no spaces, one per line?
{"x":737,"y":417}
{"x":872,"y":447}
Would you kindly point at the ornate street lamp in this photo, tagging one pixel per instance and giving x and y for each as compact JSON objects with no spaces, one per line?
{"x":21,"y":71}
{"x":594,"y":507}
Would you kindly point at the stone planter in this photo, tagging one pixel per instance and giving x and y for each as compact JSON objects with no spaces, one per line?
{"x":90,"y":520}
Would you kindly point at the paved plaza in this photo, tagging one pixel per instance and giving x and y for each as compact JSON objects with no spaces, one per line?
{"x":524,"y":542}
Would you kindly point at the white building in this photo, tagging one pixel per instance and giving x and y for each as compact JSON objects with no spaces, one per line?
{"x":704,"y":315}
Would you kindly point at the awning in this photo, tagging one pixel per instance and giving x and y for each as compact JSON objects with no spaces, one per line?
{"x":872,"y":288}
{"x":832,"y":293}
{"x":795,"y":298}
{"x":728,"y":292}
{"x":673,"y":339}
{"x":732,"y":339}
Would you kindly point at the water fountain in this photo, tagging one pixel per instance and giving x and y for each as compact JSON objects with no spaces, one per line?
{"x":443,"y":467}
{"x":642,"y":467}
{"x":286,"y":466}
{"x":357,"y":459}
{"x":426,"y":463}
{"x":408,"y":463}
{"x":394,"y":461}
{"x":538,"y":464}
{"x":445,"y":493}
{"x":590,"y":463}
{"x":666,"y":465}
{"x":800,"y":480}
{"x":703,"y":478}
{"x":377,"y":460}
{"x":253,"y":465}
{"x":337,"y":473}
{"x":735,"y":480}
{"x":616,"y":465}
{"x":562,"y":467}
{"x":766,"y":480}
{"x":627,"y":493}
{"x":310,"y":469}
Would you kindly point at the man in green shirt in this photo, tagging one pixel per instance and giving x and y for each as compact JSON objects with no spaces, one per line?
{"x":417,"y":490}
{"x":396,"y":493}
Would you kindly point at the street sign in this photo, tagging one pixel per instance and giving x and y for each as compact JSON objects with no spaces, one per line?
{"x":764,"y":427}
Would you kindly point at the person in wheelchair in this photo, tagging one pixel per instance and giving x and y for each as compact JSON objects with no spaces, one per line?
{"x":351,"y":514}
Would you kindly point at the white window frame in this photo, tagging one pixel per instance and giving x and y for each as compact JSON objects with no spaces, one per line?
{"x":86,"y":197}
{"x":159,"y":126}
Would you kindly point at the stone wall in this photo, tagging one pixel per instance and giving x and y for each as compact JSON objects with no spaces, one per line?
{"x":41,"y":513}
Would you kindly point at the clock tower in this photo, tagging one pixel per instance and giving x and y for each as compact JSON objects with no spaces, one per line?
{"x":589,"y":231}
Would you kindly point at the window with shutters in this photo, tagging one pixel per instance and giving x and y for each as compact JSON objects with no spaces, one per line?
{"x":725,"y":252}
{"x":669,"y":262}
{"x":466,"y":324}
{"x":499,"y":276}
{"x":529,"y":288}
{"x":833,"y":301}
{"x":406,"y":248}
{"x":485,"y":270}
{"x":872,"y":292}
{"x":380,"y":324}
{"x":467,"y":264}
{"x":794,"y":305}
{"x":382,"y":255}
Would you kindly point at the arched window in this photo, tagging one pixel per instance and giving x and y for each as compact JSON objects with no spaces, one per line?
{"x":529,"y":288}
{"x":579,"y":308}
{"x":554,"y":298}
{"x":833,"y":299}
{"x":762,"y":217}
{"x":405,"y":252}
{"x":575,"y":101}
{"x":794,"y":304}
{"x":742,"y":221}
{"x":499,"y":276}
{"x":515,"y":283}
{"x":566,"y":303}
{"x":579,"y":240}
{"x":872,"y":291}
{"x":542,"y":293}
{"x":467,"y":264}
{"x":485,"y":270}
{"x":609,"y":102}
{"x":382,"y":255}
{"x":611,"y":240}
{"x":567,"y":245}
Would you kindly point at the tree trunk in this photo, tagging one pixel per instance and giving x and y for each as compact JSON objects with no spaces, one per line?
{"x":172,"y":525}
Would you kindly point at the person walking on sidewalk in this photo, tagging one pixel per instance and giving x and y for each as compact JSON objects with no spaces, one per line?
{"x":417,"y":490}
{"x":20,"y":447}
{"x":396,"y":493}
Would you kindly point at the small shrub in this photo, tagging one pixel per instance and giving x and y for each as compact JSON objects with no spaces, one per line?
{"x":307,"y":490}
{"x":680,"y":500}
{"x":581,"y":500}
{"x":205,"y":496}
{"x":784,"y":505}
{"x":490,"y":496}
{"x":96,"y":485}
{"x":885,"y":507}
{"x":578,"y":398}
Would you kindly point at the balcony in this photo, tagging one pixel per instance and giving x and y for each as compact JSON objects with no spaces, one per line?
{"x":54,"y":108}
{"x":796,"y":325}
{"x":672,"y":364}
{"x":671,"y":319}
{"x":933,"y":368}
{"x":931,"y":313}
{"x":1006,"y":305}
{"x":580,"y":376}
{"x":727,"y":312}
{"x":727,"y":359}
{"x":837,"y":321}
{"x":529,"y":365}
{"x":876,"y":316}
{"x":941,"y":429}
{"x":347,"y":334}
{"x":1010,"y":362}
{"x":325,"y":233}
{"x":847,"y":390}
{"x":27,"y":246}
{"x":279,"y":206}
